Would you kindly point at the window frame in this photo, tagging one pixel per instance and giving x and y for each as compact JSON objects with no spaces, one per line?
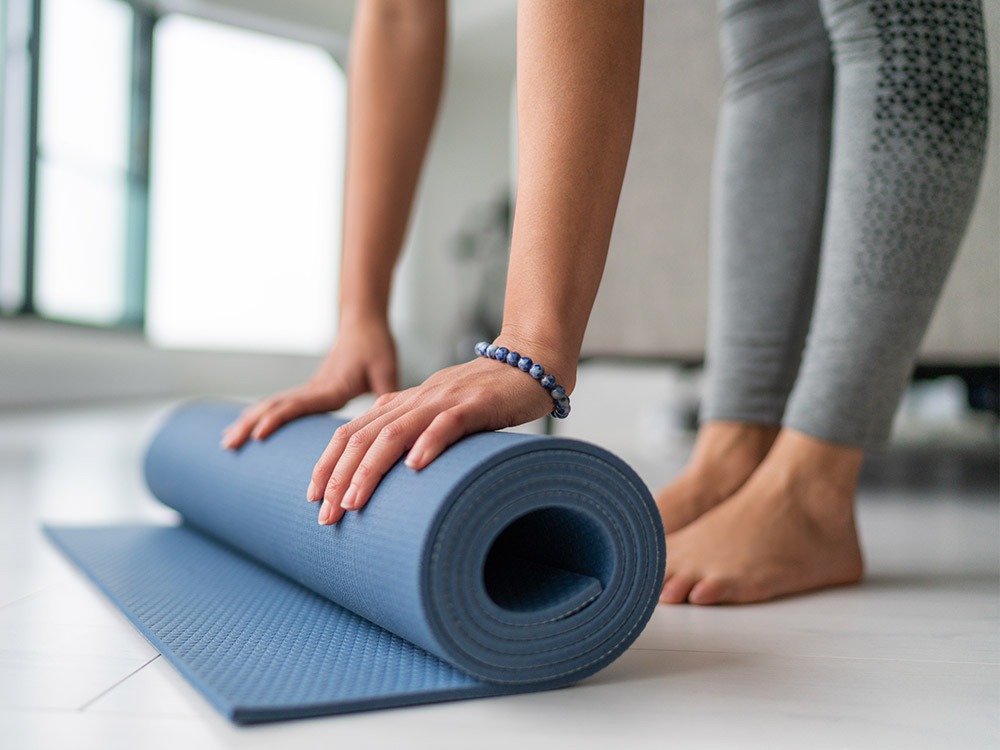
{"x":145,"y":18}
{"x":137,"y":174}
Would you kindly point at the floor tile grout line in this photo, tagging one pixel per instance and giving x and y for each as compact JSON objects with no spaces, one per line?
{"x":108,"y":689}
{"x":818,"y":656}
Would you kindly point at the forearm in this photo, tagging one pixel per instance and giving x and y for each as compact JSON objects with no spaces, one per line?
{"x":578,"y":72}
{"x":394,"y":83}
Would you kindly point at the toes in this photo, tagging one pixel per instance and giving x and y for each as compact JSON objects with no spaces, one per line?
{"x":676,"y":588}
{"x":711,"y":591}
{"x":680,"y":588}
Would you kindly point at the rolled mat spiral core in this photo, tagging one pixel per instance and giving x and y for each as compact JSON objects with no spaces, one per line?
{"x":512,"y":563}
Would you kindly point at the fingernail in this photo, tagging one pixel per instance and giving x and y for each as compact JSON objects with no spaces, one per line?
{"x":312,"y":494}
{"x":414,"y":459}
{"x":324,"y":513}
{"x":350,"y":498}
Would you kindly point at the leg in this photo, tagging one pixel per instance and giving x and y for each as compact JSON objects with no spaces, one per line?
{"x":908,"y":143}
{"x":768,"y":196}
{"x":910,"y":132}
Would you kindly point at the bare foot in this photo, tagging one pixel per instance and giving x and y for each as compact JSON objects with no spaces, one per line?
{"x":788,"y":530}
{"x":725,"y":455}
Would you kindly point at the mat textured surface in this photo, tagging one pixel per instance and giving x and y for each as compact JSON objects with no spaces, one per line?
{"x":513,"y":563}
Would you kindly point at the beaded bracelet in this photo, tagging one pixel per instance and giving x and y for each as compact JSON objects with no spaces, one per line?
{"x":524,"y":364}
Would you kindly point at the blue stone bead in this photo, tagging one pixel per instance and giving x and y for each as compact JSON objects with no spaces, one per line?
{"x":536,"y":371}
{"x":558,"y":393}
{"x":563,"y":403}
{"x":524,"y":364}
{"x":481,"y":348}
{"x":547,"y":382}
{"x":491,"y":351}
{"x":562,"y":409}
{"x":513,"y":358}
{"x":501,"y":354}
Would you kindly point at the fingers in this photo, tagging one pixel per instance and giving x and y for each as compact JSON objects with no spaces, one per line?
{"x":263,"y":418}
{"x":447,"y":427}
{"x":363,"y":468}
{"x":361,"y":454}
{"x":284,"y":412}
{"x":239,"y":431}
{"x":424,"y":421}
{"x":383,"y":400}
{"x":349,"y":439}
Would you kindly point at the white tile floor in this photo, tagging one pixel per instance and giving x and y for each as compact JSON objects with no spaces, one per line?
{"x":910,"y":659}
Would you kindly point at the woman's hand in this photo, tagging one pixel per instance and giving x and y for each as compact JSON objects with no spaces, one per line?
{"x":362,"y":360}
{"x":473,"y":397}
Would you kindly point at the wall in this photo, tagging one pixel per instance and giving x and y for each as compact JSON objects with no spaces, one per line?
{"x":467,"y":172}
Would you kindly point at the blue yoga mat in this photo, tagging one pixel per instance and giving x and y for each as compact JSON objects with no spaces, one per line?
{"x":512,"y":563}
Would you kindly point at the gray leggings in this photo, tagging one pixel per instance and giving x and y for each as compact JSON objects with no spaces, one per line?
{"x":851,"y":139}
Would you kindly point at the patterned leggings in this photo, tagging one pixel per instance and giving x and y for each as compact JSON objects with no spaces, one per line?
{"x":851,"y":140}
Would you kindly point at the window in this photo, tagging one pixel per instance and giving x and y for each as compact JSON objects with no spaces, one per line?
{"x":82,"y":177}
{"x":245,"y":189}
{"x":237,"y":163}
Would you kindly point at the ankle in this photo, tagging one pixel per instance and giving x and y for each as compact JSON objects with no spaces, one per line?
{"x":727,"y":453}
{"x":823,"y":476}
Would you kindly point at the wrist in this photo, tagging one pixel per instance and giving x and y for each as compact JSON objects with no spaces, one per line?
{"x":364,"y":291}
{"x":363,"y":316}
{"x":557,"y":357}
{"x":546,"y":378}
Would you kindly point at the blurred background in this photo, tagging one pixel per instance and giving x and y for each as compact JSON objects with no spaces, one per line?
{"x":170,"y":207}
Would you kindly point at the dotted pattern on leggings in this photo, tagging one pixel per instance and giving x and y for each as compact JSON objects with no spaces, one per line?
{"x":928,"y":141}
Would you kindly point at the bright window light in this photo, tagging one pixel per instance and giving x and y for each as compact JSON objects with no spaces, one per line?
{"x":80,"y":246}
{"x":83,"y":148}
{"x":247,"y":158}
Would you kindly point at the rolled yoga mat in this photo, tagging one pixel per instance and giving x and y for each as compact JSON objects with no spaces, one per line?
{"x":512,"y":563}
